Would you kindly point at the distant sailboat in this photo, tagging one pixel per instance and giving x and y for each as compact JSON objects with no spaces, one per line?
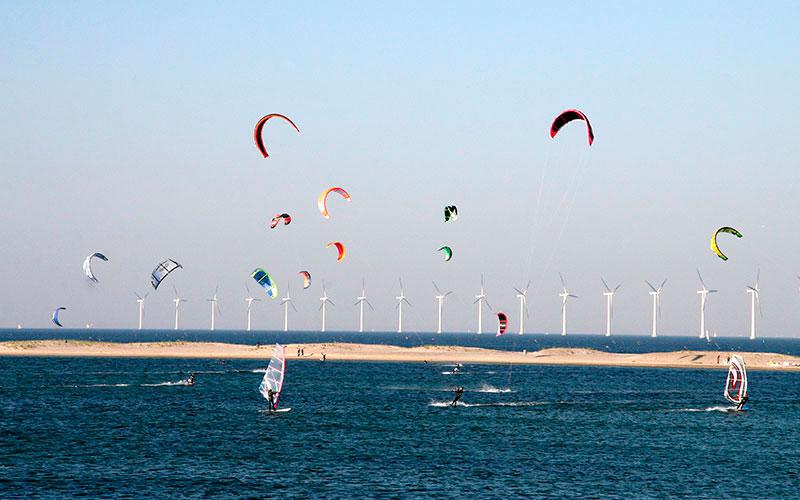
{"x":273,"y":378}
{"x":736,"y":383}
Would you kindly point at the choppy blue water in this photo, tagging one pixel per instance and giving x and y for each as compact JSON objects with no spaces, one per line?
{"x":621,"y":343}
{"x":118,"y":427}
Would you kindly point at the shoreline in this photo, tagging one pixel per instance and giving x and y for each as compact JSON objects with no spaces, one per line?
{"x":335,"y":351}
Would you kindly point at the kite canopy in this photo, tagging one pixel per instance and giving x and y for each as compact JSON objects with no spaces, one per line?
{"x":273,"y":377}
{"x":568,"y":116}
{"x":322,"y":201}
{"x":55,"y":315}
{"x":260,"y":127}
{"x":286,"y":218}
{"x":714,"y":246}
{"x":266,"y":281}
{"x":448,"y":253}
{"x":162,"y":271}
{"x":339,"y":247}
{"x":306,"y":279}
{"x":502,"y":323}
{"x":87,"y":265}
{"x":736,"y":384}
{"x":450,"y":213}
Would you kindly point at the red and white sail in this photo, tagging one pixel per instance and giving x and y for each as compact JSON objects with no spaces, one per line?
{"x":273,"y":378}
{"x":736,"y":384}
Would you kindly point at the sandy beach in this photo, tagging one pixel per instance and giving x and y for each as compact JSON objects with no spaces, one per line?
{"x":387,"y":353}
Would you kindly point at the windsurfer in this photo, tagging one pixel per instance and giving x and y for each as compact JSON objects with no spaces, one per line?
{"x":271,"y":398}
{"x":459,"y":392}
{"x":740,"y":406}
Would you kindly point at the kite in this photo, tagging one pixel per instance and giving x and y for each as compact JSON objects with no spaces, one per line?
{"x":260,"y":127}
{"x":266,"y":281}
{"x":55,"y":315}
{"x":306,"y":279}
{"x":340,"y":247}
{"x":568,"y":116}
{"x":502,"y":323}
{"x":450,"y":213}
{"x":448,"y":253}
{"x":286,"y":218}
{"x":87,"y":265}
{"x":322,"y":201}
{"x":162,"y":271}
{"x":714,"y":246}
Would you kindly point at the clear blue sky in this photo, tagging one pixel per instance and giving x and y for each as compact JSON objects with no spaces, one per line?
{"x":127,"y":129}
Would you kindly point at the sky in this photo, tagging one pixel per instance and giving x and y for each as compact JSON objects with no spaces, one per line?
{"x":128,"y":129}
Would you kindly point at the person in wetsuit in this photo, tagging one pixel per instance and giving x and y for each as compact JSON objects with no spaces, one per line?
{"x":744,"y":401}
{"x":271,"y":398}
{"x":459,"y":392}
{"x":190,"y":380}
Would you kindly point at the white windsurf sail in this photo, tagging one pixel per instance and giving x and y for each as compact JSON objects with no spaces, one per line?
{"x":273,"y":378}
{"x":736,"y":384}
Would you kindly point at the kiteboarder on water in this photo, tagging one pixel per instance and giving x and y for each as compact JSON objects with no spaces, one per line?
{"x":459,"y":392}
{"x":190,"y":380}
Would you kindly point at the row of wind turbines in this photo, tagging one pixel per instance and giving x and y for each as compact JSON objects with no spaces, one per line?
{"x":480,"y":300}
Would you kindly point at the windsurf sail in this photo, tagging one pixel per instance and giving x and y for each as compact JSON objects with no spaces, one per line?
{"x":273,"y":378}
{"x":736,"y":384}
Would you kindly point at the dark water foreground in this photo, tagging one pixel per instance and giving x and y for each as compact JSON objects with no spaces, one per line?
{"x":103,"y":427}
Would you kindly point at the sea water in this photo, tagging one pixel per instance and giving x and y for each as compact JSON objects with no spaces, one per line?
{"x":130,"y":427}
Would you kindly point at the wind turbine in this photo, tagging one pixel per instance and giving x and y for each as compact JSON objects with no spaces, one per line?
{"x":480,"y":299}
{"x":360,"y":302}
{"x":754,"y":291}
{"x":214,"y":308}
{"x":523,"y":306}
{"x":440,"y":299}
{"x":400,"y":299}
{"x":286,"y":302}
{"x":177,"y":301}
{"x":564,"y":296}
{"x":140,"y":300}
{"x":703,"y":301}
{"x":250,"y":299}
{"x":656,"y":294}
{"x":325,"y":300}
{"x":609,"y":295}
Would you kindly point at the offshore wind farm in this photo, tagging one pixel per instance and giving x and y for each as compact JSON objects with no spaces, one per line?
{"x":399,"y":250}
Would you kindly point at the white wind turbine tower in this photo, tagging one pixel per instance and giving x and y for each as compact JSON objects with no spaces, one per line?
{"x":250,"y":299}
{"x":703,"y":301}
{"x":440,"y":300}
{"x":480,"y":299}
{"x":214,"y":308}
{"x":609,"y":295}
{"x":564,"y":296}
{"x":523,"y":306}
{"x":360,"y":302}
{"x":754,"y":291}
{"x":286,"y":302}
{"x":325,"y":300}
{"x":400,"y":299}
{"x":656,"y":294}
{"x":140,"y":301}
{"x":177,"y":301}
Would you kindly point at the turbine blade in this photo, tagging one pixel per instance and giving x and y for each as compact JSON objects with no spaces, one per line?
{"x":562,"y":281}
{"x":437,"y":288}
{"x":573,"y":296}
{"x":518,"y":291}
{"x":407,"y":302}
{"x":293,"y":307}
{"x":369,"y":304}
{"x":605,"y":285}
{"x":487,"y":304}
{"x":617,"y":287}
{"x":758,"y":277}
{"x":331,"y":303}
{"x":527,"y":286}
{"x":651,"y":286}
{"x":662,"y":284}
{"x":448,"y":293}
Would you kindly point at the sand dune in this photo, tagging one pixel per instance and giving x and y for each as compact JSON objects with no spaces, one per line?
{"x":374,"y":352}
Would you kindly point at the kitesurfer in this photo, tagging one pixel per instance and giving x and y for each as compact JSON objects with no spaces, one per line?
{"x":459,"y":392}
{"x":190,"y":380}
{"x":457,"y":368}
